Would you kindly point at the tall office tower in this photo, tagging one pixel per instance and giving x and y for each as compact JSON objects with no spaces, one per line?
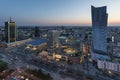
{"x":56,"y":35}
{"x":53,"y":37}
{"x":37,"y":34}
{"x":10,"y":31}
{"x":99,"y":26}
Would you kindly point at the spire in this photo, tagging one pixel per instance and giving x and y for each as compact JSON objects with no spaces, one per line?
{"x":10,"y":19}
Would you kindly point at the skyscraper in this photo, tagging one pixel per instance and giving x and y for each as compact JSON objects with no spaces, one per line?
{"x":10,"y":31}
{"x":53,"y":37}
{"x":99,"y":26}
{"x":37,"y":32}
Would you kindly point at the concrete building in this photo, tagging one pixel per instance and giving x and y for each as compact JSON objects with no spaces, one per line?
{"x":10,"y":31}
{"x":53,"y":38}
{"x":110,"y":66}
{"x":99,"y":26}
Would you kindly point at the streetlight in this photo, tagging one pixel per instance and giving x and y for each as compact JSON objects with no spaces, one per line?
{"x":26,"y":79}
{"x":90,"y":59}
{"x":27,"y":47}
{"x":22,"y":77}
{"x":34,"y":48}
{"x":110,"y":72}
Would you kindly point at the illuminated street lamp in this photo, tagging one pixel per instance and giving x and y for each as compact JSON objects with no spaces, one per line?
{"x":90,"y":59}
{"x":34,"y":48}
{"x":28,"y":47}
{"x":22,"y":77}
{"x":110,"y":72}
{"x":88,"y":54}
{"x":26,"y":79}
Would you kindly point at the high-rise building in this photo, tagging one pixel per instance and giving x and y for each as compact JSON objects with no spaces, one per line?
{"x":10,"y":31}
{"x":37,"y":32}
{"x":99,"y":28}
{"x":53,"y":37}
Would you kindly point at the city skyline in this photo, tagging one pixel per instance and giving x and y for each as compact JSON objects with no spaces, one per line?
{"x":56,"y":13}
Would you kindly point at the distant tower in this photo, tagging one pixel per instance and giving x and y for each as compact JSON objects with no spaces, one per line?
{"x":53,"y":37}
{"x":37,"y":32}
{"x":99,"y":26}
{"x":56,"y":35}
{"x":10,"y":31}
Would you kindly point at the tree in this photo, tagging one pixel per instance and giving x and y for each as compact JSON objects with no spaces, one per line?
{"x":3,"y":65}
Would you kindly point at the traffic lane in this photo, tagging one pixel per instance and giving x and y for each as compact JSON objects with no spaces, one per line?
{"x":48,"y":67}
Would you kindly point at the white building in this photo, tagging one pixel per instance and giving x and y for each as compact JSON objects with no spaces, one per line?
{"x":105,"y":65}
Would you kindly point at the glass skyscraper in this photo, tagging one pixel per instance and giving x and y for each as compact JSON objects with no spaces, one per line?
{"x":99,"y":28}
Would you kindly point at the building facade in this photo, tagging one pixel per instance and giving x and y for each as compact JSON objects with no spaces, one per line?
{"x":99,"y":28}
{"x":10,"y":31}
{"x":37,"y":32}
{"x":53,"y":37}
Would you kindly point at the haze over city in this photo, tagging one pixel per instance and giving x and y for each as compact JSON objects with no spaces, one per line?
{"x":56,"y":12}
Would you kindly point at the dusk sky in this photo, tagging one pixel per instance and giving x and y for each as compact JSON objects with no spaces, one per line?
{"x":56,"y":12}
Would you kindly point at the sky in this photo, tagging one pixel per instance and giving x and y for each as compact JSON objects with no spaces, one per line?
{"x":56,"y":12}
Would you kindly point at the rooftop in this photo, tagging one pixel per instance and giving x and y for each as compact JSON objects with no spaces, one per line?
{"x":36,"y":42}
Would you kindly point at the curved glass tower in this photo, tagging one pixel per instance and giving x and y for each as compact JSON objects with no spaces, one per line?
{"x":99,"y":26}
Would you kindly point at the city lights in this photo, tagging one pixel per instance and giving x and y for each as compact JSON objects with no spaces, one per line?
{"x":59,"y":40}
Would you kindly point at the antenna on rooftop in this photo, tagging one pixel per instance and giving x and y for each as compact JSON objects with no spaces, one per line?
{"x":10,"y":19}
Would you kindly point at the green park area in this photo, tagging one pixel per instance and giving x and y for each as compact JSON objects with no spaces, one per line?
{"x":3,"y":65}
{"x":39,"y":74}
